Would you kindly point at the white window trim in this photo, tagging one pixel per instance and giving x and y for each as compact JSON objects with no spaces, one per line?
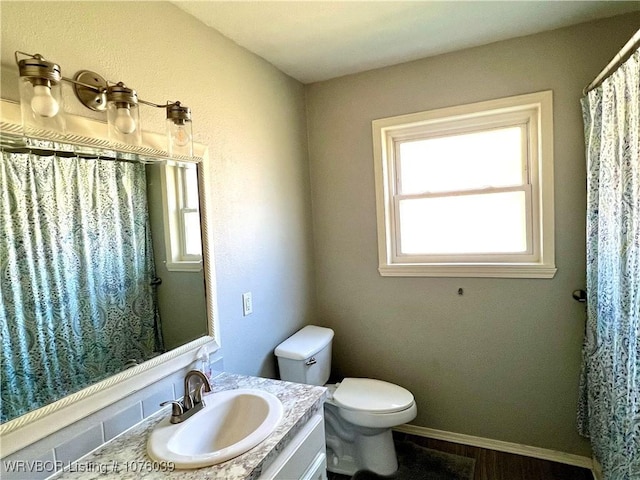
{"x":535,"y":108}
{"x":173,"y":223}
{"x":182,"y":211}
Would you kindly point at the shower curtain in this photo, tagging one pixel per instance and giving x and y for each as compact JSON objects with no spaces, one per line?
{"x":609,"y":411}
{"x":76,"y":264}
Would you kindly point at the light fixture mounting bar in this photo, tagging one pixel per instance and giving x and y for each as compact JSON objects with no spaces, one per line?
{"x":151,"y":104}
{"x":91,"y":89}
{"x":158,"y":105}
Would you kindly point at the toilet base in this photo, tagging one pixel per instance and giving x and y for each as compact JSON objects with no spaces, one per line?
{"x":344,"y":465}
{"x":351,"y":448}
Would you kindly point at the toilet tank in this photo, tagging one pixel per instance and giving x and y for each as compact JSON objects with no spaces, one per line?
{"x":305,"y":357}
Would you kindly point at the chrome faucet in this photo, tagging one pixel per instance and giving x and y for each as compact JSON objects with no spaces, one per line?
{"x":191,"y":403}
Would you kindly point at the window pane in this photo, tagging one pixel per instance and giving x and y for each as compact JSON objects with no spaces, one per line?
{"x":190,"y":185}
{"x":486,"y":223}
{"x":492,"y":158}
{"x":192,"y":241}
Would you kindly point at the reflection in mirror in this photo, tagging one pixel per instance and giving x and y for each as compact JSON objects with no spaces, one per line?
{"x":100,"y":270}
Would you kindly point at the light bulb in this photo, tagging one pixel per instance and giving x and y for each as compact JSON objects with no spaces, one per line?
{"x":181,"y":136}
{"x":43,"y":102}
{"x":124,"y":122}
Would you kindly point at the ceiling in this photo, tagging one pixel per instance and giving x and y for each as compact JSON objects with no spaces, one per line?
{"x":317,"y":40}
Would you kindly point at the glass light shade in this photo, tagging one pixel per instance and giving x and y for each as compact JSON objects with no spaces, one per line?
{"x":41,"y":107}
{"x":123,"y":116}
{"x":179,"y":137}
{"x":124,"y":123}
{"x":179,"y":131}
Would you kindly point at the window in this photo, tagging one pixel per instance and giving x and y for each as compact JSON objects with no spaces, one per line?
{"x":467,"y":191}
{"x":182,"y":216}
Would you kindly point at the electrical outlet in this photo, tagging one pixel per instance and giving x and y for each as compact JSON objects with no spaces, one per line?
{"x":247,"y":304}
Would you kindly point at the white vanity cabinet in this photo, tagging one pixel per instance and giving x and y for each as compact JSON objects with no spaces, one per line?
{"x":304,"y":457}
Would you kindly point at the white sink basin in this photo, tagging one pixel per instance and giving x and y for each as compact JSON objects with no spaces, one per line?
{"x":231,"y":423}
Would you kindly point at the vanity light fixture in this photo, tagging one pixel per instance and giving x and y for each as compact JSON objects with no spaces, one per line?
{"x":123,"y":115}
{"x":40,"y":94}
{"x":179,"y":131}
{"x":41,"y":105}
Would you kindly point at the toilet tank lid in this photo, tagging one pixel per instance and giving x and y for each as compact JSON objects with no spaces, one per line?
{"x":305,"y":343}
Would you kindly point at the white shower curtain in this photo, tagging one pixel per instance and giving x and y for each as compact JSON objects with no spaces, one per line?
{"x":609,"y":411}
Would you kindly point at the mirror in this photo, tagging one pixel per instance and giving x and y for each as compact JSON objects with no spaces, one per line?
{"x":181,"y":312}
{"x":87,"y":288}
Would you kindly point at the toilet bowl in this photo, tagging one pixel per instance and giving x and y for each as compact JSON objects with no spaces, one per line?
{"x":359,"y":412}
{"x":359,"y":416}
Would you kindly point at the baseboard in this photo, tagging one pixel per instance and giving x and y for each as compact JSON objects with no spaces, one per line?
{"x":499,"y":445}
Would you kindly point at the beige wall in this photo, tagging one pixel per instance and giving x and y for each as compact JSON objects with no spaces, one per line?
{"x":249,"y":114}
{"x":502,"y":361}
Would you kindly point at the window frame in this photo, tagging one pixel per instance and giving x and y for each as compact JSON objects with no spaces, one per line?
{"x":174,"y":210}
{"x":534,"y":113}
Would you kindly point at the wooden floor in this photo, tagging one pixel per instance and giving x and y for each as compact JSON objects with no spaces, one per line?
{"x":494,"y":465}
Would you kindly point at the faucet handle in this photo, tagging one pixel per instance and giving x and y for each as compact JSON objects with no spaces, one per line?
{"x":176,"y":407}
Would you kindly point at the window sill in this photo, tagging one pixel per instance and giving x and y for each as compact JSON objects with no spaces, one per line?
{"x":521,"y":270}
{"x":184,"y":266}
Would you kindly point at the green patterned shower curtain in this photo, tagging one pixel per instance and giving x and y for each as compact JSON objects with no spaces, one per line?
{"x":76,"y":264}
{"x":609,"y":411}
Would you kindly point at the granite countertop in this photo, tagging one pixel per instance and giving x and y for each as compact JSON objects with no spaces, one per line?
{"x":126,"y":455}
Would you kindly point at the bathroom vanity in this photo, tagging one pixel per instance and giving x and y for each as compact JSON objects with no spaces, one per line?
{"x":295,"y":449}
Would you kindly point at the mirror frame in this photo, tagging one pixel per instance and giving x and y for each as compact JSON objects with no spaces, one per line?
{"x":37,"y":424}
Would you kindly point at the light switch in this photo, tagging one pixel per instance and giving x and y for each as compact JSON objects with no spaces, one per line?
{"x":247,"y":304}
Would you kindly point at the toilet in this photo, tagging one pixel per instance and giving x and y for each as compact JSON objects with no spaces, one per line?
{"x":359,"y":413}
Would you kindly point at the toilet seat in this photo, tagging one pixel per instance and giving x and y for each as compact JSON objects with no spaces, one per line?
{"x":372,"y":396}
